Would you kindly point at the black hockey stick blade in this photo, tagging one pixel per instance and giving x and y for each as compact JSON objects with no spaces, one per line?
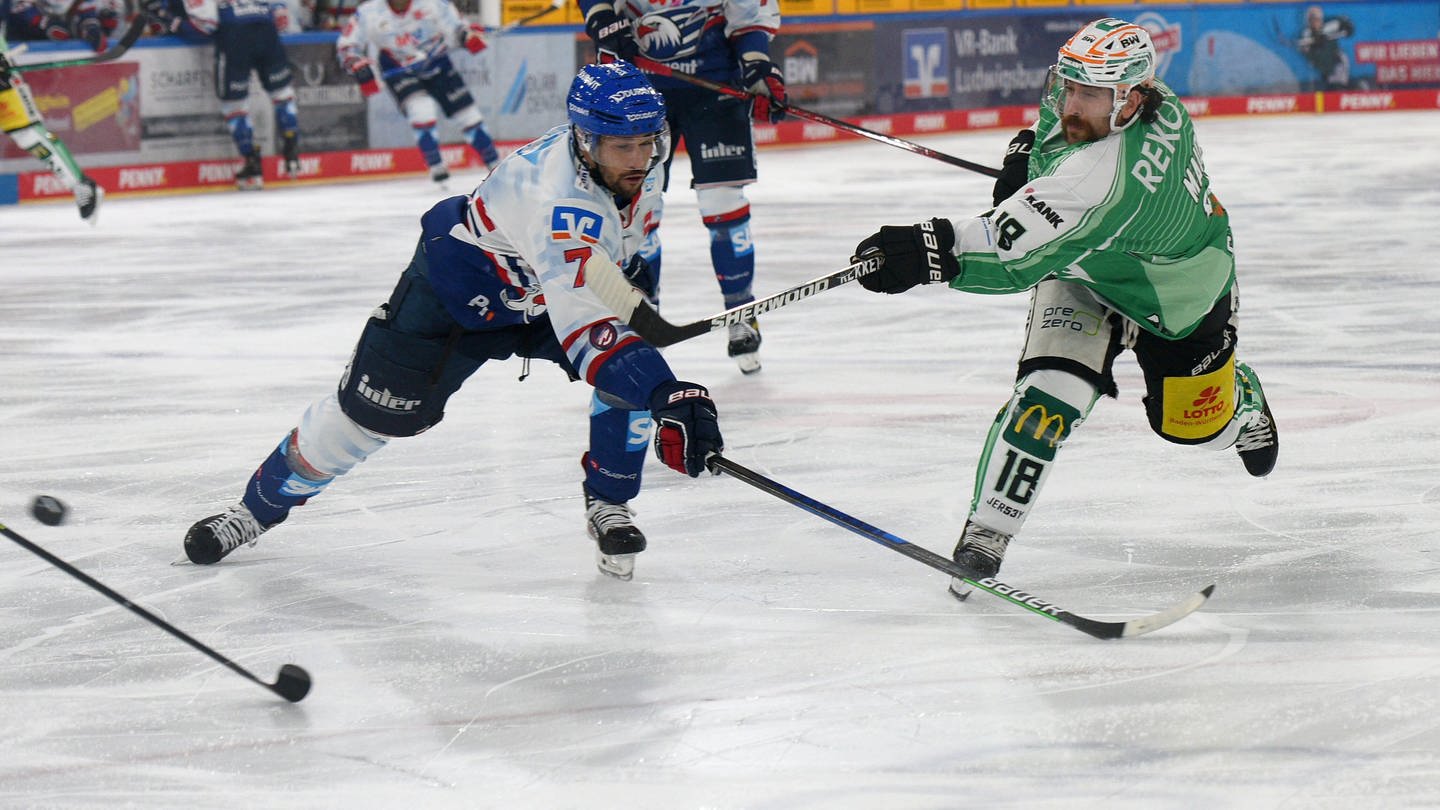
{"x":131,"y":36}
{"x":610,"y":285}
{"x":1092,"y":627}
{"x":293,"y":683}
{"x":662,"y":69}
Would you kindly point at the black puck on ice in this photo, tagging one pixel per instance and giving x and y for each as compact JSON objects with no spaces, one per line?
{"x":48,"y":510}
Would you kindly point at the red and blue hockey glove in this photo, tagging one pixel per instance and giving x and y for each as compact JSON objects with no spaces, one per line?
{"x":1015,"y":170}
{"x":612,"y":33}
{"x":472,"y":36}
{"x":687,"y":428}
{"x":760,"y":76}
{"x":909,"y":254}
{"x":364,"y":72}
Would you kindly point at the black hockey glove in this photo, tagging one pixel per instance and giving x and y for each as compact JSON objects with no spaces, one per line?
{"x":612,"y":33}
{"x":909,"y":255}
{"x":1015,"y":170}
{"x":687,"y":429}
{"x":642,"y":277}
{"x":760,"y":76}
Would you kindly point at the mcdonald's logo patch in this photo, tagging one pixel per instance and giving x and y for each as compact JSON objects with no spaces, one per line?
{"x":1040,"y":424}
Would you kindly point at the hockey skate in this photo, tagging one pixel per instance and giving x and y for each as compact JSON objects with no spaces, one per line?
{"x":978,"y":553}
{"x":209,"y":540}
{"x":617,"y":538}
{"x":1259,"y":441}
{"x":251,"y":176}
{"x":88,"y":195}
{"x":745,"y":345}
{"x":290,"y":150}
{"x":440,"y":173}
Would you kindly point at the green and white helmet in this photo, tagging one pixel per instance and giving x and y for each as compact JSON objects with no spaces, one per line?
{"x":1106,"y":53}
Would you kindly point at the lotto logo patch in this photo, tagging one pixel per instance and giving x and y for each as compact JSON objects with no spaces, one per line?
{"x":1198,"y":407}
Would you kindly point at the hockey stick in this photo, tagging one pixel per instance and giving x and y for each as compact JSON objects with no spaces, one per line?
{"x":529,"y":18}
{"x":293,"y":683}
{"x":602,"y":276}
{"x":661,"y":69}
{"x":132,"y":35}
{"x":1093,"y":627}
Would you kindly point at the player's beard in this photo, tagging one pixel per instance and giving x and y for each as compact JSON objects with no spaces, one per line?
{"x":624,"y":182}
{"x":1081,"y":130}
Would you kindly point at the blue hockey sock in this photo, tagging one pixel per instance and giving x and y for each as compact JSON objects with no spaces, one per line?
{"x":242,"y":133}
{"x":276,"y":487}
{"x":484,"y":146}
{"x":619,"y":438}
{"x":429,"y":145}
{"x":286,"y":118}
{"x":733,"y":256}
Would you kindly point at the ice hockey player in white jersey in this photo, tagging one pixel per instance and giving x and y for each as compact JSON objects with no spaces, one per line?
{"x":725,"y":41}
{"x":406,"y":45}
{"x":501,"y":273}
{"x":20,"y":119}
{"x":1104,"y":211}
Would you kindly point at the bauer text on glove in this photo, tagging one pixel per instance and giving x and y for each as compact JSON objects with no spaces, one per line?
{"x":611,"y":32}
{"x":1015,"y":170}
{"x":687,"y":429}
{"x":909,"y":254}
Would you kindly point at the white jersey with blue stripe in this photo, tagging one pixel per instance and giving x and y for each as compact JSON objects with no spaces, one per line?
{"x":426,"y":29}
{"x":538,"y":217}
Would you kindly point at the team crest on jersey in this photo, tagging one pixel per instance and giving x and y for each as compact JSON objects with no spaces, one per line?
{"x":672,"y":33}
{"x":569,"y":222}
{"x":603,"y":336}
{"x":529,"y":300}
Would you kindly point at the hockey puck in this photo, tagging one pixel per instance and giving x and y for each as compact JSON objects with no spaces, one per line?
{"x":48,"y":510}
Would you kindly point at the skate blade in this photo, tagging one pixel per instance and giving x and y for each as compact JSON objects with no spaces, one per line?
{"x":619,"y":566}
{"x":961,"y":589}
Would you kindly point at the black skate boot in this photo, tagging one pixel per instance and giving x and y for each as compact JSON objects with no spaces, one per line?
{"x":617,"y":538}
{"x":209,"y":540}
{"x":1259,"y":441}
{"x":290,"y":152}
{"x":745,"y":345}
{"x":978,"y":553}
{"x":251,"y":176}
{"x":88,"y":196}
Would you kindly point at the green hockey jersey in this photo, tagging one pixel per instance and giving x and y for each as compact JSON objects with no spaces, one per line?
{"x":1129,"y":216}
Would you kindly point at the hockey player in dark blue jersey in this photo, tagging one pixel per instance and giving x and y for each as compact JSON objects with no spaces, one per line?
{"x":497,"y":274}
{"x":246,"y":34}
{"x":724,"y":41}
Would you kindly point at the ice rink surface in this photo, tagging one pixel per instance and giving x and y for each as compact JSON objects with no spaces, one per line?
{"x":466,"y":653}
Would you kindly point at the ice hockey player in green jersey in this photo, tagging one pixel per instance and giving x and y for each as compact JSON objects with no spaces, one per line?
{"x":1103,"y":210}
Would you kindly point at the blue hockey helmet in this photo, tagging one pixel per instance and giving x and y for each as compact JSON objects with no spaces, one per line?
{"x":615,"y":99}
